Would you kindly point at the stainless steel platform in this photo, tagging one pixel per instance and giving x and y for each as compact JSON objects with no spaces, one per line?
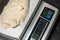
{"x":17,"y":33}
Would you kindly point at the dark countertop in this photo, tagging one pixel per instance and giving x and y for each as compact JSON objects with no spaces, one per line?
{"x":55,"y":3}
{"x":55,"y":34}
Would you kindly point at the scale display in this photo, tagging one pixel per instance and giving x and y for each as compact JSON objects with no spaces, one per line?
{"x":47,"y":13}
{"x":39,"y":27}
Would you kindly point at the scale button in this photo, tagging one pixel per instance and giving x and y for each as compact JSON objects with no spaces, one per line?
{"x":47,"y":13}
{"x":48,"y":16}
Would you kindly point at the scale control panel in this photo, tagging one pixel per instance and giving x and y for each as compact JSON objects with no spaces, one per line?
{"x":42,"y":22}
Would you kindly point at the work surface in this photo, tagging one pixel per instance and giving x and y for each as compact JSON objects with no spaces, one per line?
{"x":55,"y":3}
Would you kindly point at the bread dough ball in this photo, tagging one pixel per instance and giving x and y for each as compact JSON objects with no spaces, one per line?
{"x":14,"y":13}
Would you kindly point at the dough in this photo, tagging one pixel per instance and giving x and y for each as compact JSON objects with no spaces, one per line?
{"x":14,"y":13}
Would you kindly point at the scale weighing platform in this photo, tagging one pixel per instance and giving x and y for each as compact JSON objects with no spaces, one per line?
{"x":40,"y":19}
{"x":17,"y":33}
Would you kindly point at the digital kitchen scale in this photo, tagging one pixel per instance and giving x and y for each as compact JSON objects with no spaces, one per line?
{"x":42,"y":23}
{"x":18,"y":32}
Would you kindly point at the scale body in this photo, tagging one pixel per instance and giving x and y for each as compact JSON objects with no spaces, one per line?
{"x":17,"y":33}
{"x":42,"y":23}
{"x":36,"y":18}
